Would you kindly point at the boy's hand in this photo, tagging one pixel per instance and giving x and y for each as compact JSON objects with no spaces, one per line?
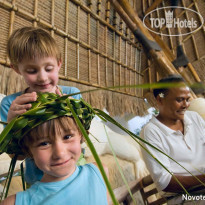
{"x":59,"y":93}
{"x":19,"y":105}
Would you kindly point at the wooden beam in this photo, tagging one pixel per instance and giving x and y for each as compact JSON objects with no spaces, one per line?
{"x":153,"y":6}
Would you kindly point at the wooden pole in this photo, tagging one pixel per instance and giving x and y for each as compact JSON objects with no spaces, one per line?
{"x":35,"y":12}
{"x":66,"y":40}
{"x":52,"y":17}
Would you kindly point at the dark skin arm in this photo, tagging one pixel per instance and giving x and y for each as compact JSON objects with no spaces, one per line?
{"x":187,"y":181}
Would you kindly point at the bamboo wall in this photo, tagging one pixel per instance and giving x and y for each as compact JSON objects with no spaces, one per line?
{"x":98,"y":49}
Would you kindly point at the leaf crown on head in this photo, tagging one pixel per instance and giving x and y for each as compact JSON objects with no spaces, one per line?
{"x":47,"y":106}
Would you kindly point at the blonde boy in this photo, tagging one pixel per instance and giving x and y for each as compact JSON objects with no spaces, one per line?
{"x":35,"y":55}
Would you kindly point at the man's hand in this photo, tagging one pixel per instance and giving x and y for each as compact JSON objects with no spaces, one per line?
{"x":20,"y":105}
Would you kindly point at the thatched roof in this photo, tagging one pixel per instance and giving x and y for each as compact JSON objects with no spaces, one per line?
{"x":192,"y":43}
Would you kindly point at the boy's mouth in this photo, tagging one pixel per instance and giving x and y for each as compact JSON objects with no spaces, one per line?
{"x":43,"y":85}
{"x":60,"y":164}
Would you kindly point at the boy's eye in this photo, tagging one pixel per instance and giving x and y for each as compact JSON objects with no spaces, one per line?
{"x":31,"y":71}
{"x":42,"y":144}
{"x":67,"y":137}
{"x":49,"y":68}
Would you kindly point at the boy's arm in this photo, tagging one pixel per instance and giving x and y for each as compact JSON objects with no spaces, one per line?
{"x":21,"y":105}
{"x":9,"y":200}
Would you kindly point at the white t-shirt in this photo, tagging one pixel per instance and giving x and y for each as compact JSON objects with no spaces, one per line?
{"x":187,"y":149}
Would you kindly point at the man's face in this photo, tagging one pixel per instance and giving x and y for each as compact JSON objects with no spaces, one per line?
{"x":175,"y":103}
{"x":40,"y":74}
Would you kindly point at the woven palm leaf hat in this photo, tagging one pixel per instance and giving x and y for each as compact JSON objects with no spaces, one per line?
{"x":48,"y":106}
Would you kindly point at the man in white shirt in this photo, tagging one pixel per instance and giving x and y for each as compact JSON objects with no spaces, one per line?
{"x":179,"y":134}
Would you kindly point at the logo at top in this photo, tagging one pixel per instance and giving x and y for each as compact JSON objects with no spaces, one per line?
{"x":156,"y":24}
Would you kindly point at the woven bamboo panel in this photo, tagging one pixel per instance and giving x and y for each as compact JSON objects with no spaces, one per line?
{"x":72,"y":60}
{"x":61,"y":43}
{"x":97,"y":47}
{"x":102,"y":71}
{"x":72,"y":19}
{"x":110,"y":41}
{"x":83,"y":64}
{"x":94,"y":6}
{"x":83,"y":26}
{"x":123,"y":78}
{"x":94,"y":68}
{"x":101,"y":42}
{"x":4,"y":14}
{"x":93,"y":32}
{"x":102,"y":8}
{"x":116,"y":47}
{"x":117,"y":75}
{"x":44,"y":10}
{"x":110,"y":73}
{"x":60,"y":14}
{"x":28,"y":6}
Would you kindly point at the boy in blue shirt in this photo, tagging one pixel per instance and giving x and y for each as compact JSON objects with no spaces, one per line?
{"x":55,"y":146}
{"x":34,"y":54}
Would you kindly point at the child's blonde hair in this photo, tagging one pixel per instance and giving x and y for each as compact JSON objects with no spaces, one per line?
{"x":31,"y":42}
{"x":49,"y":129}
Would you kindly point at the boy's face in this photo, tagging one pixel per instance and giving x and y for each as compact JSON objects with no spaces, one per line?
{"x":57,"y":158}
{"x":40,"y":73}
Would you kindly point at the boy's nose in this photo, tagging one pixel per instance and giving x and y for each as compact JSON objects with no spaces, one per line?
{"x":58,"y":150}
{"x":42,"y":76}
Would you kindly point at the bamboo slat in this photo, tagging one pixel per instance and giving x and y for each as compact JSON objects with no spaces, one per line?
{"x":153,"y":6}
{"x":190,"y":30}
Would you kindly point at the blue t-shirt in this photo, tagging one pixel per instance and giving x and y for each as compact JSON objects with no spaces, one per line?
{"x":32,"y":173}
{"x":84,"y":187}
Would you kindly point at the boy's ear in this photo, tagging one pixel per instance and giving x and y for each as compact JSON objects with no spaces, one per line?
{"x":15,"y":68}
{"x":59,"y":63}
{"x":82,"y":139}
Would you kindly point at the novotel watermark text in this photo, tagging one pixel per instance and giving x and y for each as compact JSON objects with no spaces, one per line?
{"x":193,"y":198}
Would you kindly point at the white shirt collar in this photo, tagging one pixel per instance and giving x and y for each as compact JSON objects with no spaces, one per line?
{"x":187,"y":122}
